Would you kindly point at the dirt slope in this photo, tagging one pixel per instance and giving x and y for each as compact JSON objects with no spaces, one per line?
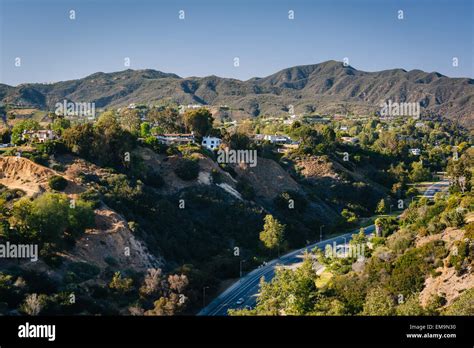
{"x":448,"y":282}
{"x":165,"y":166}
{"x":268,"y":178}
{"x":111,"y":235}
{"x":21,"y":173}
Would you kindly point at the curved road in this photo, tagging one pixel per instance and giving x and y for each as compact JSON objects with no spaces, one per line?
{"x":247,"y":287}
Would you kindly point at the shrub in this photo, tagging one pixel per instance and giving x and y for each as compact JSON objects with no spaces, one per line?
{"x":111,"y":261}
{"x":187,"y":169}
{"x":216,"y":176}
{"x":154,"y":179}
{"x":91,"y":196}
{"x":245,"y":189}
{"x":57,"y":183}
{"x":58,"y":167}
{"x":120,"y":284}
{"x":379,"y":302}
{"x":228,"y":169}
{"x":463,"y":305}
{"x":411,"y":306}
{"x":84,"y":270}
{"x":408,"y":275}
{"x":377,"y":241}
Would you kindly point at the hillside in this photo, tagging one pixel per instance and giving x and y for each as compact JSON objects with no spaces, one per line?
{"x":328,"y":87}
{"x":423,"y":266}
{"x":111,"y":234}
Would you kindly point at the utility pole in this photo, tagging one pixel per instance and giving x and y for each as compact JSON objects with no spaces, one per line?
{"x":241,"y":261}
{"x":345,"y":242}
{"x":204,"y":296}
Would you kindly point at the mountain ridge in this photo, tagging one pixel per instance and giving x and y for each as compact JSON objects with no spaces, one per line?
{"x":325,"y":88}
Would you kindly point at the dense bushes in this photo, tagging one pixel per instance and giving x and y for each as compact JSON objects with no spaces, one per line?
{"x":57,"y":183}
{"x":154,"y":179}
{"x":245,"y":189}
{"x":51,"y":220}
{"x":104,"y":143}
{"x":187,"y":169}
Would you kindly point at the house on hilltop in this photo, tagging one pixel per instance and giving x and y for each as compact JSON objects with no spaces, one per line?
{"x":39,"y":136}
{"x":415,"y":152}
{"x":176,"y":138}
{"x":274,"y":139}
{"x":350,"y":140}
{"x":211,"y":143}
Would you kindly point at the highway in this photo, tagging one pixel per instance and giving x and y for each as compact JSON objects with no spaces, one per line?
{"x":248,"y":286}
{"x":443,"y":185}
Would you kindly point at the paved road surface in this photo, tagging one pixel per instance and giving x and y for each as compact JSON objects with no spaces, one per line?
{"x":436,"y":187}
{"x":248,"y":286}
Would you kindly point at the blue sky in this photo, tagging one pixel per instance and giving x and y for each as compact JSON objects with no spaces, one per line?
{"x":53,"y":48}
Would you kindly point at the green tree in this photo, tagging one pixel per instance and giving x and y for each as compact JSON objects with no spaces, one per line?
{"x":237,"y":141}
{"x":130,"y":120}
{"x":167,"y":119}
{"x":105,"y":143}
{"x":50,"y":218}
{"x":79,"y":139}
{"x":411,"y":306}
{"x":381,"y":207}
{"x":379,"y":302}
{"x":350,"y":216}
{"x":57,"y":182}
{"x":290,"y":292}
{"x":18,"y":129}
{"x":273,"y":233}
{"x":419,"y":173}
{"x":145,"y":130}
{"x":199,"y":121}
{"x":60,"y":124}
{"x":122,"y":285}
{"x":328,"y":134}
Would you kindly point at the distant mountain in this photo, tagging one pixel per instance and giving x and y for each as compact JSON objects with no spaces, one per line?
{"x":328,"y":87}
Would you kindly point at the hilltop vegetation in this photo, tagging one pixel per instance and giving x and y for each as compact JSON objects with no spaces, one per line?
{"x":114,"y":195}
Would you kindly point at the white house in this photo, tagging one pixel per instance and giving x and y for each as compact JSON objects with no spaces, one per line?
{"x":175,"y":138}
{"x":38,"y":135}
{"x":211,"y":143}
{"x":194,"y":106}
{"x":277,"y":139}
{"x":350,"y":140}
{"x":415,"y":152}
